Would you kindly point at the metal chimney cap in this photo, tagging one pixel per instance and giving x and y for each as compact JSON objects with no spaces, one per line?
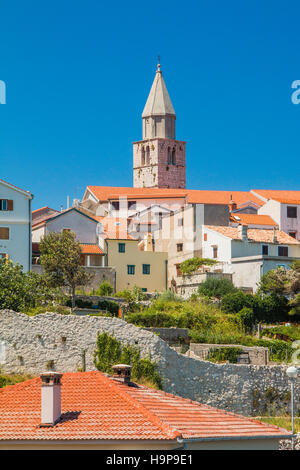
{"x":121,"y":366}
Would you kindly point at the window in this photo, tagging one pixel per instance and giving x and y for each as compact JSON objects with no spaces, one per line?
{"x":179,"y":246}
{"x":115,"y":205}
{"x":180,"y":222}
{"x":146,"y":268}
{"x":143,"y":156}
{"x":131,"y":204}
{"x":283,"y":251}
{"x":4,"y":233}
{"x":144,"y":289}
{"x":293,"y":234}
{"x":169,"y":156}
{"x":147,"y":155}
{"x":6,"y":205}
{"x":178,"y":270}
{"x":291,"y":212}
{"x":121,"y":247}
{"x":265,"y":250}
{"x":215,"y":251}
{"x":131,"y":269}
{"x":174,"y":156}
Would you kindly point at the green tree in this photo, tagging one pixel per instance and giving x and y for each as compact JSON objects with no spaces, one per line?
{"x":216,"y":288}
{"x":20,"y":291}
{"x":275,"y":281}
{"x":60,"y":258}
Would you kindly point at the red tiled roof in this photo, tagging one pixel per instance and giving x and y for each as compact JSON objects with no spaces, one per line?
{"x":285,"y":197}
{"x":104,"y":193}
{"x":96,"y":407}
{"x":255,"y":234}
{"x":90,"y":249}
{"x":252,"y":219}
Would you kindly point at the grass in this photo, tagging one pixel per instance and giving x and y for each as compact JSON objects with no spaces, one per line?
{"x":281,"y":421}
{"x":48,"y":308}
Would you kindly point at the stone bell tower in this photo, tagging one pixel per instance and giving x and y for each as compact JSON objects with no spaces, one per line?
{"x":159,"y":159}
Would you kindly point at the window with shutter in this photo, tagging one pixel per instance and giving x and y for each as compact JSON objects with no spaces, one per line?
{"x":10,"y":205}
{"x":4,"y":233}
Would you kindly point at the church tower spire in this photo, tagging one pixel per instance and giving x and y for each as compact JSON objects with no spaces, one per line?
{"x":159,"y":159}
{"x":159,"y":115}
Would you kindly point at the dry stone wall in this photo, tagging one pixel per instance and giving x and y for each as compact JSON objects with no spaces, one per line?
{"x":30,"y":344}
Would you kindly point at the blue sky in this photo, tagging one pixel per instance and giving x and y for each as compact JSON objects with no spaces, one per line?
{"x":78,"y":75}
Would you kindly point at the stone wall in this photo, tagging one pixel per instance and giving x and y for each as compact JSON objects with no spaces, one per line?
{"x":171,"y":335}
{"x":190,"y":284}
{"x":257,"y":355}
{"x":99,"y":273}
{"x":29,"y":344}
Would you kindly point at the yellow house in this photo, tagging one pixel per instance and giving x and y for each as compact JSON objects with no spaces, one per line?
{"x":145,"y":269}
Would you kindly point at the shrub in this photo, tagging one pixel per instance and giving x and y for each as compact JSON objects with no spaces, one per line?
{"x":192,"y":265}
{"x":246,"y":318}
{"x":270,"y":308}
{"x":105,"y":289}
{"x":216,"y":288}
{"x":224,"y":354}
{"x":109,"y":306}
{"x":80,"y":303}
{"x":169,"y":296}
{"x":134,"y":295}
{"x":110,"y":352}
{"x":234,"y":302}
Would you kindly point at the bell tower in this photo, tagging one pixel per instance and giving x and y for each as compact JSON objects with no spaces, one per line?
{"x":159,"y":159}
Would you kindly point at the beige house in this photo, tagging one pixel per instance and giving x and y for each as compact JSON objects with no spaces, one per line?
{"x":133,"y":266}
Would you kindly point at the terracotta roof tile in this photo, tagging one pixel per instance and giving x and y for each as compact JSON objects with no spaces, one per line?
{"x":104,"y":193}
{"x":255,"y":234}
{"x":283,"y":196}
{"x":90,"y":249}
{"x":253,"y":219}
{"x":95,"y":406}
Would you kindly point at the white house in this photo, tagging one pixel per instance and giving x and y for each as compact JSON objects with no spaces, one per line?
{"x":15,"y":224}
{"x":283,"y":207}
{"x":248,"y":253}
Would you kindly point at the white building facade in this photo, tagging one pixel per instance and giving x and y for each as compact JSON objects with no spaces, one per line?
{"x":15,"y":224}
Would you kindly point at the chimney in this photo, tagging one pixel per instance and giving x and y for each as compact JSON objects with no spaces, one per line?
{"x":274,"y":235}
{"x":122,"y":372}
{"x":232,"y":204}
{"x":51,"y":399}
{"x":243,"y":232}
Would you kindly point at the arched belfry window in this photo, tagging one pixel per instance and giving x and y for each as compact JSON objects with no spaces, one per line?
{"x":169,"y":156}
{"x":147,"y":155}
{"x":174,"y":156}
{"x":143,"y":156}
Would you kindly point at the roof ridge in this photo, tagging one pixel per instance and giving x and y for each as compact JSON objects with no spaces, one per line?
{"x":165,"y":427}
